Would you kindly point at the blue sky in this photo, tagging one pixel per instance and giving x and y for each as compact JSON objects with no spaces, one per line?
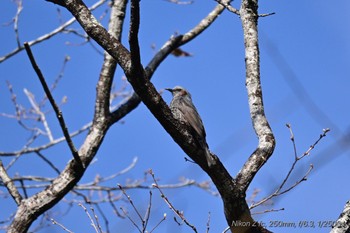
{"x":304,"y":65}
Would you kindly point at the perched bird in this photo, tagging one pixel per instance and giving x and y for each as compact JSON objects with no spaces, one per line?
{"x":183,"y":109}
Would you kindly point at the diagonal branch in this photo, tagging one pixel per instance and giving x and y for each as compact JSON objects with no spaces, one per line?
{"x":54,"y":105}
{"x":174,"y":42}
{"x":10,"y":185}
{"x":342,"y":223}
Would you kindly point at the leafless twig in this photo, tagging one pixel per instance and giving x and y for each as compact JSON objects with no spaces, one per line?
{"x":48,"y":162}
{"x":208,"y":223}
{"x":96,"y":225}
{"x":180,"y":2}
{"x":268,"y":211}
{"x":16,"y":19}
{"x":228,"y":6}
{"x":26,"y":150}
{"x":297,"y":158}
{"x":176,"y":211}
{"x":54,"y":105}
{"x":157,"y":225}
{"x":59,"y":224}
{"x":50,"y":34}
{"x":42,"y":116}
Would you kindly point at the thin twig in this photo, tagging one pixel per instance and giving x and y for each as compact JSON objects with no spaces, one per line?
{"x":50,"y":34}
{"x":89,"y":216}
{"x":125,"y":170}
{"x":179,"y":2}
{"x":268,"y":211}
{"x":170,"y":205}
{"x":162,"y":220}
{"x":130,"y":201}
{"x":48,"y":162}
{"x":111,"y":202}
{"x":45,"y":146}
{"x":208,"y":223}
{"x":24,"y":189}
{"x":293,"y":141}
{"x":104,"y":217}
{"x":37,"y":111}
{"x":132,"y":221}
{"x":20,"y":111}
{"x":57,"y":80}
{"x":228,"y":6}
{"x":96,"y":219}
{"x":16,"y":19}
{"x":296,"y":159}
{"x":54,"y":105}
{"x":59,"y":224}
{"x":148,"y":213}
{"x":267,"y":14}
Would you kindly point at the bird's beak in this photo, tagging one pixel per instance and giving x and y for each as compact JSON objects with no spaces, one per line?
{"x":169,"y":89}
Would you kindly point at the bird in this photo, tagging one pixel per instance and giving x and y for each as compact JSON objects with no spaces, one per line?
{"x":184,"y":110}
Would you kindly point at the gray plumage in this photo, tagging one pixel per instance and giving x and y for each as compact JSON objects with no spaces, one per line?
{"x":183,"y":109}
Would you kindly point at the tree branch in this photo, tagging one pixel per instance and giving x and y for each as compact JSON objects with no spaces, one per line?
{"x":53,"y":104}
{"x":237,"y":208}
{"x":50,"y":34}
{"x":133,"y":36}
{"x":10,"y":185}
{"x":174,"y":42}
{"x":233,"y":199}
{"x":249,"y":17}
{"x":103,"y":88}
{"x":342,"y":224}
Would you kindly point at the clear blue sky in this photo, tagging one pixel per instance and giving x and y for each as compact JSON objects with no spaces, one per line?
{"x":305,"y":54}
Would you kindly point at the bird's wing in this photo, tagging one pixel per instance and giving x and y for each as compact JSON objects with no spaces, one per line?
{"x":191,"y":115}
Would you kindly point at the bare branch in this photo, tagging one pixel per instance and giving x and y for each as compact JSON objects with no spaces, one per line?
{"x":268,"y":211}
{"x":278,"y":191}
{"x":171,"y":206}
{"x":342,"y":224}
{"x":42,"y":116}
{"x":103,"y":95}
{"x":104,"y":217}
{"x":16,"y":19}
{"x":50,"y":34}
{"x":147,"y":213}
{"x":208,"y":223}
{"x":48,"y":162}
{"x":228,"y":6}
{"x":162,"y":220}
{"x":180,"y":2}
{"x":10,"y":185}
{"x":27,"y":150}
{"x":59,"y":224}
{"x":54,"y":105}
{"x":248,"y":13}
{"x":96,"y":219}
{"x":130,"y":201}
{"x":267,"y":14}
{"x":57,"y":80}
{"x":174,"y":42}
{"x":133,"y":36}
{"x":93,"y":224}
